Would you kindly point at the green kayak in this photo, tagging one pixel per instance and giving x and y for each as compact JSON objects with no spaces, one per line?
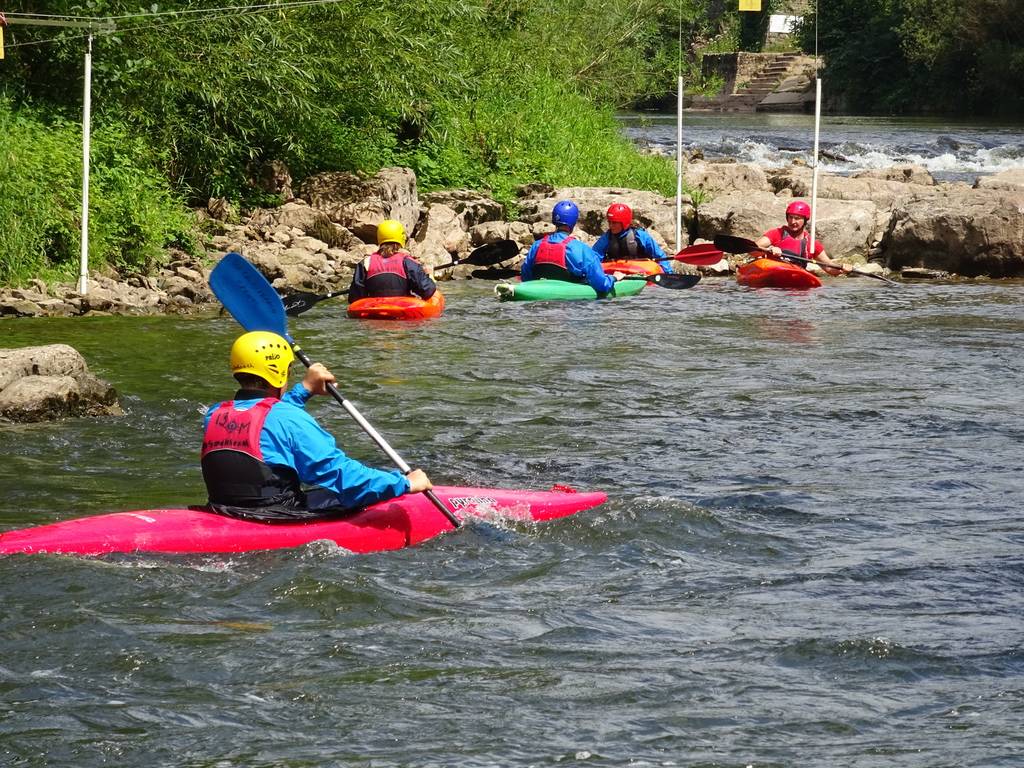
{"x":559,"y":290}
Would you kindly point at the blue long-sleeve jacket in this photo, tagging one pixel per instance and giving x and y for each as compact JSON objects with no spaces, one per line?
{"x":647,"y":247}
{"x":292,"y":438}
{"x":580,"y":260}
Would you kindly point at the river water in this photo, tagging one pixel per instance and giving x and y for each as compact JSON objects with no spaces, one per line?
{"x":811,"y":555}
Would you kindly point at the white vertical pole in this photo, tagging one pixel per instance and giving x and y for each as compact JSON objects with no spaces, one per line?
{"x":679,"y":166}
{"x":814,"y":178}
{"x":83,"y":274}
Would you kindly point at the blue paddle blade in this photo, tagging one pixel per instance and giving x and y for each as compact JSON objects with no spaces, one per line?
{"x":247,"y":295}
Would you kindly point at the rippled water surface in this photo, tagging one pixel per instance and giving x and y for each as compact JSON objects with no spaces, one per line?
{"x":811,"y":554}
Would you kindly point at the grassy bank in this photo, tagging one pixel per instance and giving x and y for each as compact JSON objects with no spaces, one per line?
{"x":133,"y":212}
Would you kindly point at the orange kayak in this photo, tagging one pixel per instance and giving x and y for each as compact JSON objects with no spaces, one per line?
{"x":632,"y":267}
{"x":397,"y":307}
{"x":769,"y":273}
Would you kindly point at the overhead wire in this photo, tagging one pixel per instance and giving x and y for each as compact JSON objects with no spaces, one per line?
{"x":202,"y":13}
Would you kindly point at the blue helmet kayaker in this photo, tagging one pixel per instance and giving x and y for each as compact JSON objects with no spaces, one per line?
{"x":560,"y":256}
{"x":261,"y":450}
{"x":390,"y":270}
{"x":624,"y":241}
{"x":795,"y":239}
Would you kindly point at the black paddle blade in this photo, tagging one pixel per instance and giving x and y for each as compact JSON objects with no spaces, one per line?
{"x":298,"y":302}
{"x":490,"y":254}
{"x":733,"y":244}
{"x":671,"y":281}
{"x":494,"y":273}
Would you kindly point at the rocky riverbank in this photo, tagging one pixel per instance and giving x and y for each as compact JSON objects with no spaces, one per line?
{"x":897,"y":220}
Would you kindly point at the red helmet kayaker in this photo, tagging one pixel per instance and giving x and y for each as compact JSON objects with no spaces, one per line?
{"x":261,"y":448}
{"x":625,"y":242}
{"x":620,"y":216}
{"x":390,"y":270}
{"x":795,"y":240}
{"x":799,"y":208}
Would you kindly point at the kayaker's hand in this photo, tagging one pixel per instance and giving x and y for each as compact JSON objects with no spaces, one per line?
{"x":418,"y":481}
{"x":775,"y":250}
{"x":618,"y":275}
{"x":317,"y":378}
{"x":847,"y":269}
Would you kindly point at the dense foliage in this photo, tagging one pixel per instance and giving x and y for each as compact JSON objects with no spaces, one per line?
{"x":481,"y":93}
{"x":902,"y":56}
{"x":133,"y":212}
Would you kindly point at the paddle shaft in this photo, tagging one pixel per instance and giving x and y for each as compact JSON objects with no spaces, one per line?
{"x":367,"y":427}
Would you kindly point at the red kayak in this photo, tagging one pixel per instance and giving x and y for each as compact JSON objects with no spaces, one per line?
{"x":401,"y":522}
{"x":769,"y":273}
{"x":397,"y":307}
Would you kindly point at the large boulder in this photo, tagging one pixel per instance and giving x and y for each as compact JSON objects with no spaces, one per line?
{"x":725,"y":177}
{"x":360,"y":204}
{"x":1011,"y":180}
{"x":973,"y":233}
{"x":50,"y":382}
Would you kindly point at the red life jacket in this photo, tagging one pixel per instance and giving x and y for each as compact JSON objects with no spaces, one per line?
{"x":798,"y":245}
{"x":387,"y":276}
{"x":236,"y":476}
{"x":549,"y":263}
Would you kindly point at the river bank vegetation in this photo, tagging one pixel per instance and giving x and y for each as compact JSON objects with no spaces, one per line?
{"x":955,"y":57}
{"x":195,"y":101}
{"x":192,"y":99}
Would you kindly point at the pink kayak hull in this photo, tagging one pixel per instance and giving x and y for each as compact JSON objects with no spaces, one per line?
{"x":402,"y":522}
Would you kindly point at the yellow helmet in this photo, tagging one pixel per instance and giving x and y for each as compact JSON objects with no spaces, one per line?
{"x":391,"y":231}
{"x":263,"y":354}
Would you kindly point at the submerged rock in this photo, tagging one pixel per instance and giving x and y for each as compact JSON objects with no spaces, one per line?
{"x":51,"y":382}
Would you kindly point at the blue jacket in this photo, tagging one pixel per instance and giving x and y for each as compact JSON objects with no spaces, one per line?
{"x":580,"y":260}
{"x":646,"y":246}
{"x":292,"y":438}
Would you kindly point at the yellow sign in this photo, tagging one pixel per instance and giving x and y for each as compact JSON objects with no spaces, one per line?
{"x":750,"y":5}
{"x":1,"y":42}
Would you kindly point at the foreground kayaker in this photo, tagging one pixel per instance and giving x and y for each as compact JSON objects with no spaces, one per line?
{"x":624,"y":241}
{"x":390,"y":270}
{"x":560,"y":256}
{"x":261,"y":448}
{"x":795,"y":238}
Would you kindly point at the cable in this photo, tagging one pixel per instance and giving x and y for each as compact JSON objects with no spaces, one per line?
{"x":208,"y":13}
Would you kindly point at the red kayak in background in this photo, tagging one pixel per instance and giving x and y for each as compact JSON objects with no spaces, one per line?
{"x":771,"y":273}
{"x":401,"y":522}
{"x":397,"y":307}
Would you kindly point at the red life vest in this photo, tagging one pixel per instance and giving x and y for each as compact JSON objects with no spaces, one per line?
{"x":799,"y":245}
{"x":237,"y":479}
{"x":549,"y":262}
{"x":230,"y":429}
{"x":387,"y":276}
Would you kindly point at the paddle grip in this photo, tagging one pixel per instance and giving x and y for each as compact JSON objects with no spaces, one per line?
{"x":378,"y":439}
